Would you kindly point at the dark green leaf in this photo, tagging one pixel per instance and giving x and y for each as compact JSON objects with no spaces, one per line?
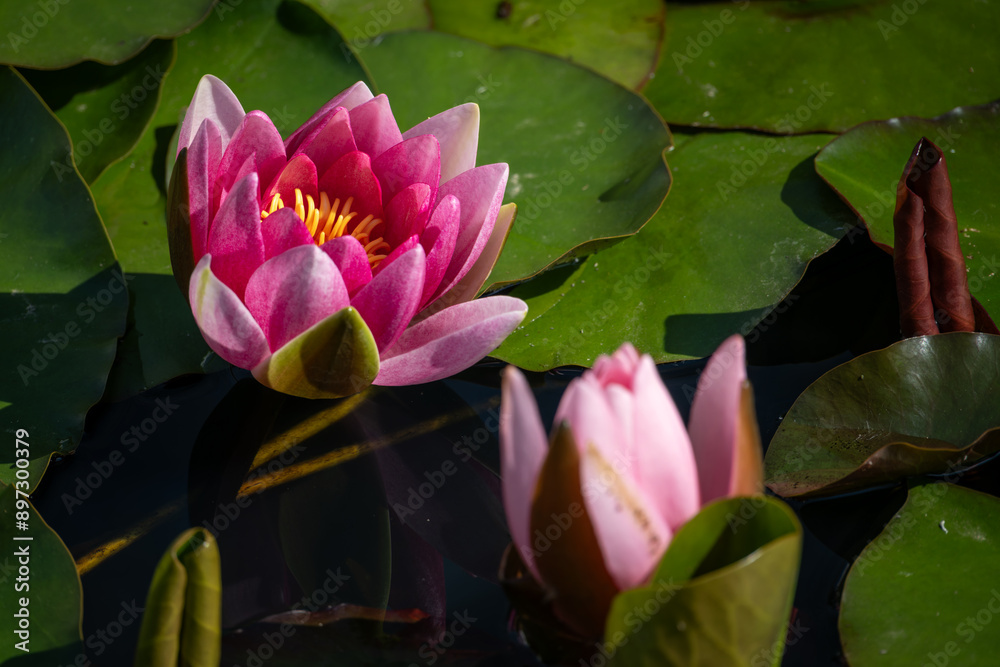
{"x":584,"y":153}
{"x":47,"y":598}
{"x":620,"y":40}
{"x":745,"y":215}
{"x":923,"y":405}
{"x":361,"y":21}
{"x":786,"y":66}
{"x":64,"y":300}
{"x":924,"y":592}
{"x":104,"y":108}
{"x":721,"y":595}
{"x":50,"y":34}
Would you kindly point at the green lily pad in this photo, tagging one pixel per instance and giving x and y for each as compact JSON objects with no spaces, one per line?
{"x":721,"y":595}
{"x":361,"y":21}
{"x":584,"y":153}
{"x":47,"y":601}
{"x":280,"y":58}
{"x":50,"y":34}
{"x":786,"y":66}
{"x":104,"y":108}
{"x":63,"y":300}
{"x":923,"y":405}
{"x":865,"y":164}
{"x":924,"y":592}
{"x":183,"y":618}
{"x":745,"y":215}
{"x":621,"y":40}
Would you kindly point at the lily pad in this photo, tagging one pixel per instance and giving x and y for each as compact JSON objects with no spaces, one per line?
{"x":924,"y":590}
{"x":721,"y":595}
{"x":50,"y":34}
{"x":865,"y":164}
{"x":104,"y":108}
{"x":621,"y":40}
{"x":786,"y":66}
{"x":584,"y":153}
{"x":48,"y":598}
{"x":361,"y":21}
{"x":923,"y":405}
{"x":63,"y":299}
{"x":280,"y":58}
{"x":745,"y":216}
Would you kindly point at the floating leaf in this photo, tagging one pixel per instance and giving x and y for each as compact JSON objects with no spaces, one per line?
{"x":64,"y":300}
{"x":745,"y":215}
{"x":721,"y":595}
{"x":620,"y":40}
{"x":865,"y":164}
{"x":924,"y":591}
{"x":584,"y":153}
{"x":785,"y":66}
{"x":50,"y":34}
{"x":361,"y":21}
{"x":44,"y":604}
{"x":925,"y":404}
{"x":104,"y":108}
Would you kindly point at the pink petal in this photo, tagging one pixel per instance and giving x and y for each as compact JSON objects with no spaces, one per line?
{"x":351,"y":260}
{"x":390,"y":300}
{"x":299,"y":172}
{"x":481,"y":192}
{"x":715,"y":413}
{"x":416,"y":160}
{"x":203,"y":158}
{"x":351,"y":176}
{"x":438,"y":240}
{"x":293,"y":291}
{"x":354,"y":96}
{"x":450,"y":341}
{"x":590,"y":415}
{"x":227,"y":325}
{"x":397,"y":252}
{"x":523,"y":448}
{"x":258,"y":137}
{"x":407,"y":213}
{"x":375,"y":129}
{"x":213,"y":100}
{"x":235,"y":239}
{"x":457,"y":131}
{"x":283,"y":230}
{"x":665,"y":464}
{"x":465,"y":287}
{"x":631,"y":535}
{"x":620,"y":368}
{"x":331,"y":140}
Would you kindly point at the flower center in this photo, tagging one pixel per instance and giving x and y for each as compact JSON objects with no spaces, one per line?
{"x":329,"y":221}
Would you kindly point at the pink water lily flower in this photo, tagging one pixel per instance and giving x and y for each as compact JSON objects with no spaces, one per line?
{"x":348,"y":253}
{"x":592,"y":511}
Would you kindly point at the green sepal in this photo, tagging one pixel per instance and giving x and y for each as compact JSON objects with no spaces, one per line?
{"x":334,"y":358}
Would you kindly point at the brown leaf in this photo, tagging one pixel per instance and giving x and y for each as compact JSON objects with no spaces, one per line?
{"x":930,"y":268}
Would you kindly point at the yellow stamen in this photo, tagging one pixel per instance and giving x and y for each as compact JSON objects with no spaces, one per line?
{"x":300,"y":209}
{"x":330,"y":221}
